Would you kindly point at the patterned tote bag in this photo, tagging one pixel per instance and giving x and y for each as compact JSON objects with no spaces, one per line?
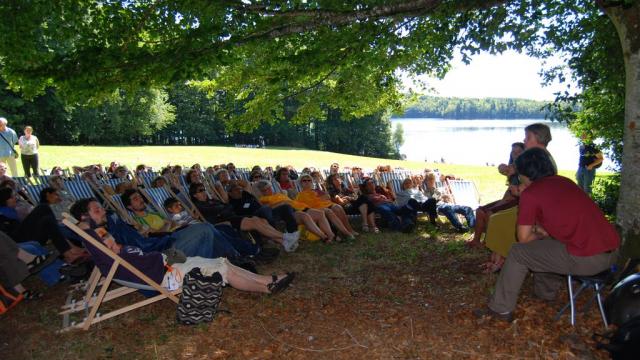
{"x":200,"y":298}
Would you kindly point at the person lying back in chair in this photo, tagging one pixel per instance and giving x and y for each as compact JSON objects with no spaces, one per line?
{"x":225,"y":237}
{"x":194,"y":240}
{"x":92,"y":218}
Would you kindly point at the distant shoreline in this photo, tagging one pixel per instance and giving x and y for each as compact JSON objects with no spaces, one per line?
{"x":452,"y":108}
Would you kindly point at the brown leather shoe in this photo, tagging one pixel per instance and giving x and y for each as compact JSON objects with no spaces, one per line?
{"x":486,"y":312}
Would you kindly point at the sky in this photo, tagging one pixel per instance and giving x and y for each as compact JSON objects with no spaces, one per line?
{"x":509,"y":75}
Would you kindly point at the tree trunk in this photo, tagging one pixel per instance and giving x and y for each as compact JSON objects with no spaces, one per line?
{"x":627,"y":23}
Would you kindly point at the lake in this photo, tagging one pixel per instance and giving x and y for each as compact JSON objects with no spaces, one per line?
{"x":478,"y":142}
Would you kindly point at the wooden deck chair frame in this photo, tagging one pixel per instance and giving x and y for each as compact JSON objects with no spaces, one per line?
{"x":190,"y":206}
{"x":466,"y":191}
{"x":119,"y":208}
{"x":93,"y":304}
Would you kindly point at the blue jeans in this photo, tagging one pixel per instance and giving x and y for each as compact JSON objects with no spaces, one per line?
{"x":282,"y":212}
{"x":203,"y":240}
{"x":242,"y":246}
{"x":585,"y":178}
{"x":390,"y":213}
{"x":450,"y":211}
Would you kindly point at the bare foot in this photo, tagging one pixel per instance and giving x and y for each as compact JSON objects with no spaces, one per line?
{"x":473,"y":243}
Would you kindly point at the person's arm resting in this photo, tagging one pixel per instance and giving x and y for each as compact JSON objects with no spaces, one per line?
{"x":527,"y":233}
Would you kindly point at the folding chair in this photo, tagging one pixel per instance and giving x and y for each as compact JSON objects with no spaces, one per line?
{"x":116,"y":204}
{"x":396,"y":185}
{"x":464,"y":193}
{"x":33,"y":191}
{"x":22,"y":181}
{"x":501,"y":231}
{"x":80,"y":189}
{"x":91,"y":303}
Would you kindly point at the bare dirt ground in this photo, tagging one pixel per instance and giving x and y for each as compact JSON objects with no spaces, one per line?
{"x":385,"y":296}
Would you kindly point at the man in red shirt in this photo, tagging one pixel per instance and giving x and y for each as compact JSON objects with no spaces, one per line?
{"x":560,"y":231}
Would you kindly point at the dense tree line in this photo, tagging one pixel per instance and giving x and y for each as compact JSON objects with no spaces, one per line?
{"x":186,"y":115}
{"x":489,"y":108}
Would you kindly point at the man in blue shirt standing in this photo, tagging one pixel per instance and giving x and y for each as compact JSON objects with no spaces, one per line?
{"x":8,"y":140}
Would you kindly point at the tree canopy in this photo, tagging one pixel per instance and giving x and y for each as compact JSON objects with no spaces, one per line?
{"x":344,"y":55}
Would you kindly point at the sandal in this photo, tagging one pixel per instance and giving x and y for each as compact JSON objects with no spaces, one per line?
{"x":278,"y":286}
{"x":40,"y":262}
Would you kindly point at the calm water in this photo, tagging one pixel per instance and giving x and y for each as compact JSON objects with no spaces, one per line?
{"x":479,"y":142}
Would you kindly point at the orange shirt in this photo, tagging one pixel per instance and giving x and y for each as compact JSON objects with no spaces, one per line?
{"x":271,"y":200}
{"x":312,"y":200}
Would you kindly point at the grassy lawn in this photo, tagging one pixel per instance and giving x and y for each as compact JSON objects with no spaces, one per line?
{"x":383,"y":296}
{"x":489,"y":182}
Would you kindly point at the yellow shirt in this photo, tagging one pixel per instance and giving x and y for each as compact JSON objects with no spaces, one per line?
{"x":312,"y":200}
{"x":271,"y":200}
{"x":154,"y":221}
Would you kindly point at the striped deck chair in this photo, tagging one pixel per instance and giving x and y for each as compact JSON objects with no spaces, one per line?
{"x":244,"y":174}
{"x":42,"y":179}
{"x":22,"y":181}
{"x":396,"y":185}
{"x":116,"y":204}
{"x":90,"y":303}
{"x":276,"y":186}
{"x":158,"y":196}
{"x":80,"y":189}
{"x":146,"y":178}
{"x":298,"y":186}
{"x":33,"y":191}
{"x":464,"y":193}
{"x":113,"y":182}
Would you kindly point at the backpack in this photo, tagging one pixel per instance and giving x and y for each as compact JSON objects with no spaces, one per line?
{"x":201,"y":296}
{"x":623,"y":343}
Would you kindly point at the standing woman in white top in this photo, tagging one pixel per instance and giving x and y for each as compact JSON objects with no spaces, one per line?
{"x":29,"y":146}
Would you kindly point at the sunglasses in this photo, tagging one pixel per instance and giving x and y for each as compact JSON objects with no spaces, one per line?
{"x":306,"y":180}
{"x":200,"y":191}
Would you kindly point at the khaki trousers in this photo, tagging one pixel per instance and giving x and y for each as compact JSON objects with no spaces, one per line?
{"x":549,"y":260}
{"x":11,"y":162}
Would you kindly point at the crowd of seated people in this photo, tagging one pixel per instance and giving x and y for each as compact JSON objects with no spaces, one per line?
{"x":220,"y":212}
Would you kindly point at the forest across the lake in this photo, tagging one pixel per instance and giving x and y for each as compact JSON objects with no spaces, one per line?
{"x":424,"y":106}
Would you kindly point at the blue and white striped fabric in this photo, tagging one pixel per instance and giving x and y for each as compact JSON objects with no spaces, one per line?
{"x":158,"y":195}
{"x":79,"y":189}
{"x":124,"y":213}
{"x":21,"y":180}
{"x":34,"y":191}
{"x":147,"y":178}
{"x":465,"y":193}
{"x":113,"y":182}
{"x":396,"y":185}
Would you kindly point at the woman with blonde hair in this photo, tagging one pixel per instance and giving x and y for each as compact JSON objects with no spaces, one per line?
{"x":334,"y":212}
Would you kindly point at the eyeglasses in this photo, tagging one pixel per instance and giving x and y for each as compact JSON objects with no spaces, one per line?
{"x":200,"y":191}
{"x":257,"y":176}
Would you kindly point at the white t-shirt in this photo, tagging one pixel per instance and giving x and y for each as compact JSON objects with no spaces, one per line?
{"x":28,"y":147}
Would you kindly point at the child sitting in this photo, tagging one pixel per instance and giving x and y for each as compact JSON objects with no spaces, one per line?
{"x":178,"y":214}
